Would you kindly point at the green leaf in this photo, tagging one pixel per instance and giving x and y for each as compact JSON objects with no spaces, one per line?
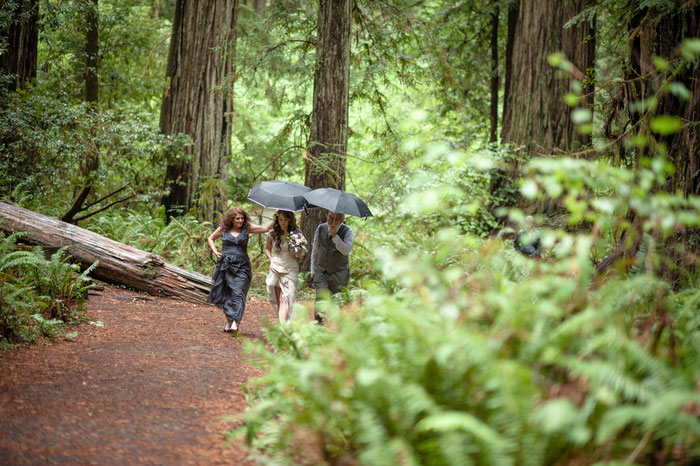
{"x":690,"y":48}
{"x":586,"y":128}
{"x":529,"y":189}
{"x":661,"y":64}
{"x":571,"y":99}
{"x":581,"y":115}
{"x":679,"y":90}
{"x":556,"y":59}
{"x":665,"y":124}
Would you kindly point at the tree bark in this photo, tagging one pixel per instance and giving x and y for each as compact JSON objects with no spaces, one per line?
{"x":684,"y":145}
{"x":199,"y":103}
{"x":118,"y":263}
{"x":513,"y":12}
{"x":22,"y":35}
{"x":92,"y":50}
{"x":535,"y":115}
{"x":324,"y":164}
{"x":260,"y":6}
{"x":494,"y":77}
{"x":92,"y":160}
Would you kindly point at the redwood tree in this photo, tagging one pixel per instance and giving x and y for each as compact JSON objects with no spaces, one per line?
{"x":198,"y":103}
{"x":534,"y":112}
{"x":325,"y":156}
{"x":91,"y":162}
{"x":19,"y":31}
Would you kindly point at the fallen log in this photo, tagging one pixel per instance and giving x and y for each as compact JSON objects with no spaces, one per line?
{"x":118,"y":263}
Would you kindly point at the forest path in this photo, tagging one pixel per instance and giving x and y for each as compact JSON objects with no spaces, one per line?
{"x":152,"y":386}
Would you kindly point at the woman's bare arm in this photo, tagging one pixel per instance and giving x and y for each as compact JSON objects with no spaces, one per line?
{"x":268,"y":247}
{"x":213,"y":237}
{"x":254,"y":228}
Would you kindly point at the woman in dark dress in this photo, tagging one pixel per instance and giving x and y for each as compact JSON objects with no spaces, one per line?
{"x":231,"y":278}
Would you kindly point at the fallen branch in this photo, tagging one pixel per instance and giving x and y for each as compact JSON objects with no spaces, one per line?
{"x":118,"y":263}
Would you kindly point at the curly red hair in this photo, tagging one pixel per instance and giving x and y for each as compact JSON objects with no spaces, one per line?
{"x":227,"y":221}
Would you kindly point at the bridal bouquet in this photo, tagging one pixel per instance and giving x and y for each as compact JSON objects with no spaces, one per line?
{"x":297,"y":242}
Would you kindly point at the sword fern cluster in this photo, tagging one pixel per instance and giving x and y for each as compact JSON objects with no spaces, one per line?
{"x":37,"y":295}
{"x":464,"y":352}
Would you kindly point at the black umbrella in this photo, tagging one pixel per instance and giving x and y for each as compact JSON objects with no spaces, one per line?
{"x":338,"y":201}
{"x":281,"y":195}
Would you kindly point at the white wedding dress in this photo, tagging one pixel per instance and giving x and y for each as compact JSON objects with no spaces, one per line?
{"x":284,"y":273}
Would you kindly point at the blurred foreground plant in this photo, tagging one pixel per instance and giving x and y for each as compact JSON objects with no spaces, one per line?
{"x":465,"y":352}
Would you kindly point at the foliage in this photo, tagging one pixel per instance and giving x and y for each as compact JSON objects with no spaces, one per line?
{"x":44,"y":138}
{"x":132,"y":55}
{"x":465,"y":352}
{"x":38,"y":295}
{"x":182,"y":242}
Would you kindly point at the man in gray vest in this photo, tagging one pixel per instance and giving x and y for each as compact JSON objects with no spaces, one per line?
{"x":329,"y":257}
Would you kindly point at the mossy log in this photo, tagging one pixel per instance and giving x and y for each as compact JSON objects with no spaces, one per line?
{"x":117,"y":263}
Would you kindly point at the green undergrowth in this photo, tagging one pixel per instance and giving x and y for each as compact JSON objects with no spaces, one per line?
{"x":40,"y":294}
{"x":462,"y":351}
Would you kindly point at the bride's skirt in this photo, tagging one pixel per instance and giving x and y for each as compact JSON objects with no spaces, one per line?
{"x":286,"y":280}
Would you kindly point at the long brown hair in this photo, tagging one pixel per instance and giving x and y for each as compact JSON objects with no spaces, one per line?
{"x":227,"y":221}
{"x":277,"y":230}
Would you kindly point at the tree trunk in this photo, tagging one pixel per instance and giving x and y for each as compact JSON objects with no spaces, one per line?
{"x":118,"y":263}
{"x":325,"y":157}
{"x":260,"y":6}
{"x":92,"y":159}
{"x":22,"y":35}
{"x":513,"y":12}
{"x":155,"y":9}
{"x":199,"y":103}
{"x":92,"y":50}
{"x":535,"y":115}
{"x":654,"y":33}
{"x":684,"y":145}
{"x":494,"y":77}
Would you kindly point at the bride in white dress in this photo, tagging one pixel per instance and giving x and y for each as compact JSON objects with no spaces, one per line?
{"x":285,"y":247}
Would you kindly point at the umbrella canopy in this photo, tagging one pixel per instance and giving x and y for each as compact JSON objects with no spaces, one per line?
{"x":281,"y":195}
{"x":338,"y":201}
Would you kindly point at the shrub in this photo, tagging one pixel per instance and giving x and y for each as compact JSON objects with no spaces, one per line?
{"x":37,"y":295}
{"x":465,"y":352}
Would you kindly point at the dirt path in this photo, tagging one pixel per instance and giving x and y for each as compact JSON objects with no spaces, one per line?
{"x":151,"y":386}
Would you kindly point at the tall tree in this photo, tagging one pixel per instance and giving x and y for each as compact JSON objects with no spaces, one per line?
{"x":91,"y":97}
{"x":659,"y":34}
{"x":198,"y":103}
{"x":19,"y":33}
{"x":653,"y":66}
{"x":535,"y":115}
{"x":325,"y":157}
{"x":494,"y":76}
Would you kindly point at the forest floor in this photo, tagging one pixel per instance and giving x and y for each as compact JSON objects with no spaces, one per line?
{"x":156,"y":384}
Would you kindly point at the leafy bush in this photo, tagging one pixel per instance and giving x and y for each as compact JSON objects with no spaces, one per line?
{"x":45,"y":138}
{"x":37,"y":296}
{"x":465,"y":352}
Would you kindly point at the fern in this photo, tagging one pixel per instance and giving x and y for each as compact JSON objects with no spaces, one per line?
{"x":37,"y":295}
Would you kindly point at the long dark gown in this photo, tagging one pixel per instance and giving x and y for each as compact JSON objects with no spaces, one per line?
{"x":231,"y":279}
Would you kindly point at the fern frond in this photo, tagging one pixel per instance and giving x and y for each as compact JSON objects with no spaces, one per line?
{"x":637,"y":358}
{"x":604,"y":374}
{"x":458,"y":421}
{"x":20,"y":259}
